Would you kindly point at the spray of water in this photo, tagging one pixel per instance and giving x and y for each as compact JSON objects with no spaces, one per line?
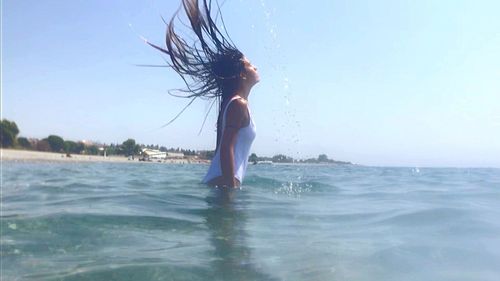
{"x":289,"y":132}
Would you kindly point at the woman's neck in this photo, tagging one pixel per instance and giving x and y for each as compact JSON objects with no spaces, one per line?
{"x":244,"y":92}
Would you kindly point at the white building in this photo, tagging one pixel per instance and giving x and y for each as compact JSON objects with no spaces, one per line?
{"x":154,"y":154}
{"x":175,"y":155}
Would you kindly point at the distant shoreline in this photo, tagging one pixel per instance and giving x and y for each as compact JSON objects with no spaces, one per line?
{"x":29,"y":155}
{"x":19,"y":155}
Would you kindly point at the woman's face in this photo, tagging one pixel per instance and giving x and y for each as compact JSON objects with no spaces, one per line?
{"x":250,"y":74}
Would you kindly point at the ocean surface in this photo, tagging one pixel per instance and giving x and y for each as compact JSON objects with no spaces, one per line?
{"x":148,"y":221}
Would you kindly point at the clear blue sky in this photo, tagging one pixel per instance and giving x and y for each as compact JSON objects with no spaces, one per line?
{"x":400,"y":83}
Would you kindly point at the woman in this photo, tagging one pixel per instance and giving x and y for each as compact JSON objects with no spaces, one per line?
{"x":213,"y":68}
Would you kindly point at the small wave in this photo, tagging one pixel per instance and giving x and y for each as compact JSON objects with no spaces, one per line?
{"x":289,"y":187}
{"x":433,"y":216}
{"x":154,"y":269}
{"x":76,"y":185}
{"x":91,"y":221}
{"x":83,"y":200}
{"x":258,"y":181}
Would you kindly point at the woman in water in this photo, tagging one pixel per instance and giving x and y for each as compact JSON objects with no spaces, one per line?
{"x":213,"y":68}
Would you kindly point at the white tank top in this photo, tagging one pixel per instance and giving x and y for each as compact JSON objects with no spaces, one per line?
{"x":244,"y":140}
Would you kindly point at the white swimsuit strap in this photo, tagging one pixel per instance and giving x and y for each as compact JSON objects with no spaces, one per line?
{"x":225,"y":110}
{"x":224,"y":116}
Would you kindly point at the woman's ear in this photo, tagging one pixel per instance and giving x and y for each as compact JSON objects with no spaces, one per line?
{"x":243,"y":76}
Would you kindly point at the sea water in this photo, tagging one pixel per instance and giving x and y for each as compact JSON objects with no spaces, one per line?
{"x":148,"y":221}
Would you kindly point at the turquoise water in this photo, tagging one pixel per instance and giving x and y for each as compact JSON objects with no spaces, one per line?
{"x":103,"y":221}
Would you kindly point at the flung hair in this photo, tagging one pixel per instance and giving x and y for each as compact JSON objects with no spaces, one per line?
{"x":211,"y":65}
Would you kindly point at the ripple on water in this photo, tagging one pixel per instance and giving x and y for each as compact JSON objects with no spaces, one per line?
{"x":153,"y":222}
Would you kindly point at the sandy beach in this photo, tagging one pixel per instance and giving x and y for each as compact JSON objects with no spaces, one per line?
{"x":28,"y":155}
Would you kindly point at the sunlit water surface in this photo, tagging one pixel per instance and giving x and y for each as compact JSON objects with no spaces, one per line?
{"x":102,"y":221}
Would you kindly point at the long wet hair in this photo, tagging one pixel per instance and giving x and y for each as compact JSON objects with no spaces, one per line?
{"x":210,"y":65}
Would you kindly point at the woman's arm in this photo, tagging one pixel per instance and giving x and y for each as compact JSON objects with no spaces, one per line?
{"x":236,"y":118}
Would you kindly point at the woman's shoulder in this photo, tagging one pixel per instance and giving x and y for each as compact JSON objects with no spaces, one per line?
{"x":241,"y":101}
{"x":235,"y":100}
{"x":238,"y":111}
{"x":238,"y":104}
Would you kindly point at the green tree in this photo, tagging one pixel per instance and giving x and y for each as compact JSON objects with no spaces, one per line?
{"x":280,"y":158}
{"x":80,"y":147}
{"x":206,"y":154}
{"x":253,"y":158}
{"x":92,"y":150}
{"x":24,"y":142}
{"x":117,"y":149}
{"x":70,"y":147}
{"x":8,"y":133}
{"x":129,"y":147}
{"x":322,"y":158}
{"x":110,"y":150}
{"x":42,"y":145}
{"x":56,"y":143}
